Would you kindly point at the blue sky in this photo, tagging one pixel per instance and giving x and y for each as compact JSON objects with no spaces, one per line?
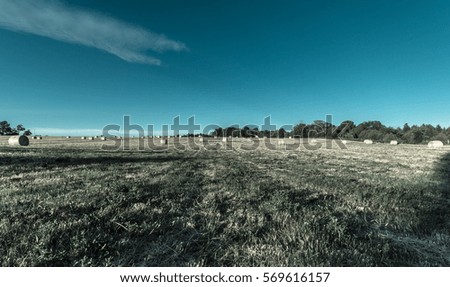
{"x":72,"y":67}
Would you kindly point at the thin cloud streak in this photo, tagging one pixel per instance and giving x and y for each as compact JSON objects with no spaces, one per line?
{"x":58,"y":21}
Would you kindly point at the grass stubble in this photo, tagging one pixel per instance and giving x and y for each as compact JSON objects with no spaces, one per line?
{"x":368,"y":205}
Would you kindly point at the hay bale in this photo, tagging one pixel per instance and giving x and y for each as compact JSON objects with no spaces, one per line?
{"x":281,"y":141}
{"x":103,"y":138}
{"x":91,"y":138}
{"x":35,"y":138}
{"x":83,"y":138}
{"x":368,"y":141}
{"x":394,"y":142}
{"x":39,"y":138}
{"x":67,"y":137}
{"x":18,"y":141}
{"x":201,"y":140}
{"x":435,"y":144}
{"x":344,"y":142}
{"x":224,"y":139}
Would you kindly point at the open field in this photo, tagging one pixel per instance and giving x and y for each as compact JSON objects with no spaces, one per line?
{"x":66,"y":202}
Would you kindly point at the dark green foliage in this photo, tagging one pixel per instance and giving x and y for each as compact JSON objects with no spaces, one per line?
{"x":6,"y":129}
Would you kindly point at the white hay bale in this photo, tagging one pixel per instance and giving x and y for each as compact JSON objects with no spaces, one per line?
{"x":67,"y":137}
{"x":281,"y":141}
{"x":435,"y":144}
{"x":164,"y":141}
{"x":91,"y":138}
{"x":201,"y":140}
{"x":103,"y":138}
{"x":39,"y":138}
{"x":394,"y":142}
{"x":83,"y":138}
{"x":344,"y":142}
{"x":18,"y":141}
{"x":290,"y":137}
{"x":368,"y":141}
{"x":35,"y":138}
{"x":158,"y":137}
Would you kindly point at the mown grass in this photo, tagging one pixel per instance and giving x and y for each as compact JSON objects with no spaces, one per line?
{"x":365,"y":206}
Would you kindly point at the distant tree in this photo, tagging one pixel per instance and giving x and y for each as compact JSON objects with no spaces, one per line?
{"x":413,"y":136}
{"x":406,"y":127}
{"x":300,"y":130}
{"x":20,"y":128}
{"x":6,"y":129}
{"x":218,"y":132}
{"x":344,"y":129}
{"x":281,"y":133}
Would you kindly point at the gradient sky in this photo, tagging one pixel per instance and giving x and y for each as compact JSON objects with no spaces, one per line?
{"x":74,"y":66}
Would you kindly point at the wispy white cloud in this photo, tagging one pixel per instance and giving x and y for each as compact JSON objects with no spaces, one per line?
{"x":53,"y":19}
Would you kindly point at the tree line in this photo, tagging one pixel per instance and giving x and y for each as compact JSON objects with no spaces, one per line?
{"x":7,"y":130}
{"x":373,"y":130}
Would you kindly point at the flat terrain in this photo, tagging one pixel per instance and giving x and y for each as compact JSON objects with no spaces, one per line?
{"x":67,"y":202}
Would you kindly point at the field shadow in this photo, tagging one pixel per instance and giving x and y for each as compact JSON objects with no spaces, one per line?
{"x":65,"y":161}
{"x":439,"y":216}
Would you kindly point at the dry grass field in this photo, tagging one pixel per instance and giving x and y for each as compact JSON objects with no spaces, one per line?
{"x":67,"y":202}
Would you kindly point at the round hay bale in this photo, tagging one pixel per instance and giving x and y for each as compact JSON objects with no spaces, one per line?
{"x":67,"y":137}
{"x":35,"y":138}
{"x":394,"y":142}
{"x":435,"y":144}
{"x":224,"y":139}
{"x":39,"y":138}
{"x":91,"y":138}
{"x":344,"y":142}
{"x":103,"y":138}
{"x":18,"y":141}
{"x":368,"y":141}
{"x":83,"y":138}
